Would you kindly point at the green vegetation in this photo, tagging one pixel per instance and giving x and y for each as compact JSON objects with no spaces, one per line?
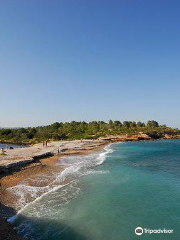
{"x":78,"y":130}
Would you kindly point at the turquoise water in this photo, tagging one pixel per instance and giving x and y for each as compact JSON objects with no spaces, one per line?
{"x":109,"y":194}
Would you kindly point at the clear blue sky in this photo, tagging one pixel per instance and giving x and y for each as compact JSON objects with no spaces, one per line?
{"x":89,"y":60}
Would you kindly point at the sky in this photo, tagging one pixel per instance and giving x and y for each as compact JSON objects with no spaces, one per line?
{"x":64,"y":60}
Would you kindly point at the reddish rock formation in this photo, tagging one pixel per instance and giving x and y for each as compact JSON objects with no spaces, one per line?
{"x":125,"y":138}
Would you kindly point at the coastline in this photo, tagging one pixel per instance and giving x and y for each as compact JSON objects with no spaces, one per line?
{"x":16,"y":159}
{"x":44,"y":165}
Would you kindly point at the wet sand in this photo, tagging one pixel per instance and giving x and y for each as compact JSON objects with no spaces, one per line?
{"x":30,"y":175}
{"x":46,"y":166}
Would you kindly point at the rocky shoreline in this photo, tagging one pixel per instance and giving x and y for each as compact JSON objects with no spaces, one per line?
{"x":16,"y":159}
{"x":22,"y":162}
{"x":7,"y":231}
{"x":138,"y":137}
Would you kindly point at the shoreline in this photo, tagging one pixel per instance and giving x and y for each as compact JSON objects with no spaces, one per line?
{"x":16,"y":159}
{"x":42,"y":166}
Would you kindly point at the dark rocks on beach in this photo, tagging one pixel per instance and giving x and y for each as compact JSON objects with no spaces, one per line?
{"x":7,"y":231}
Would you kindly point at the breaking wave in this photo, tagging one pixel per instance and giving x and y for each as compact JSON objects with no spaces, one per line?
{"x":41,"y":201}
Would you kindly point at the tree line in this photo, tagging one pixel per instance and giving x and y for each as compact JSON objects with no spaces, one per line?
{"x":79,"y":130}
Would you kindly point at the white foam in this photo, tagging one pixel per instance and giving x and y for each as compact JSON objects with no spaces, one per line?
{"x":102,"y":156}
{"x":75,"y":167}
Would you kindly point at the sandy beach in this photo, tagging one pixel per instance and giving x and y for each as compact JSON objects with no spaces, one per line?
{"x":28,"y":164}
{"x":23,"y":164}
{"x":36,"y":166}
{"x":44,"y":166}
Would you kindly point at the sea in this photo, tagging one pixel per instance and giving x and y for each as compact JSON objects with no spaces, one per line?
{"x":106,"y":195}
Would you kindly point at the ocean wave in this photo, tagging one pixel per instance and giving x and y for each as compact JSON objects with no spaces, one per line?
{"x":35,"y":200}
